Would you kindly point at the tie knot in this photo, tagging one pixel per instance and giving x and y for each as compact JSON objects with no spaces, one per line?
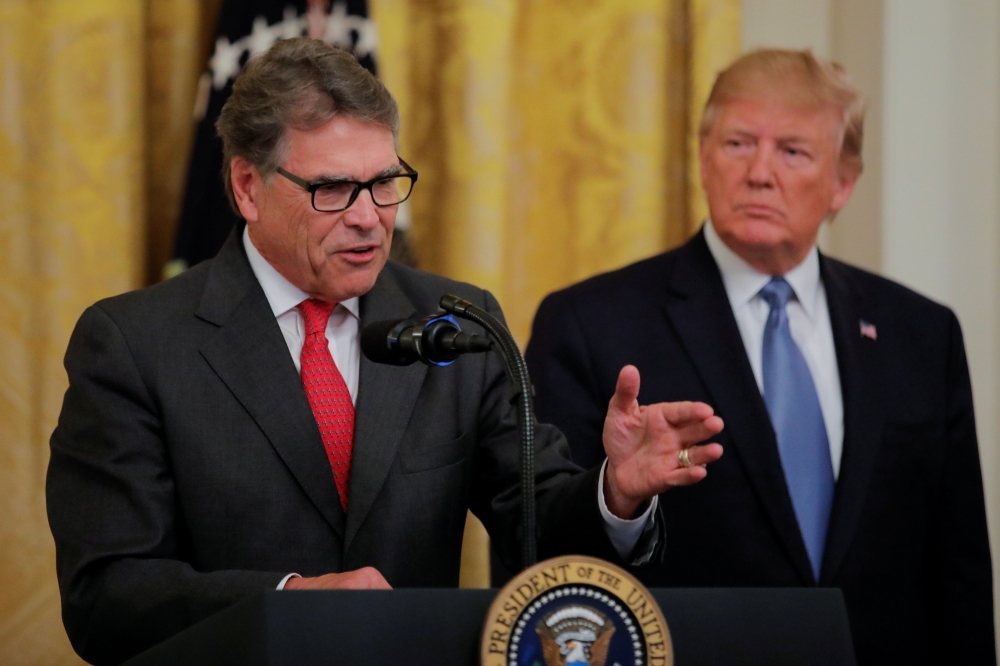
{"x":315,"y":314}
{"x":777,"y":292}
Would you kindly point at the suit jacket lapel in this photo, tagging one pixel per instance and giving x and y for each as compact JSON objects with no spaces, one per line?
{"x":386,"y":397}
{"x":250,"y":356}
{"x":857,"y":360}
{"x":702,"y":317}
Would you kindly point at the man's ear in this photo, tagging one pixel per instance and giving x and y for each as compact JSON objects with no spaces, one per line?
{"x":247,"y":186}
{"x":843,"y":189}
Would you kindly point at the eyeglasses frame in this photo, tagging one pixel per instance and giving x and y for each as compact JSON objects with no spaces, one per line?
{"x":311,"y":188}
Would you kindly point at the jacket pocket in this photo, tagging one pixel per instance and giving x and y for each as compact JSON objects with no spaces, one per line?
{"x":435,"y":456}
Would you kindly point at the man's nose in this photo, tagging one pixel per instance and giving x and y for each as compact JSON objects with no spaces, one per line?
{"x":362,"y":213}
{"x":760,"y":172}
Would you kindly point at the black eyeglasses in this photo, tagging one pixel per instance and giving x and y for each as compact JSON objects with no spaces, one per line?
{"x":335,"y":196}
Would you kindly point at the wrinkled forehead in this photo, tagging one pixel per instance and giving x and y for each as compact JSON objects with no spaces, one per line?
{"x":779,"y":117}
{"x":780,"y":107}
{"x":343,"y":146}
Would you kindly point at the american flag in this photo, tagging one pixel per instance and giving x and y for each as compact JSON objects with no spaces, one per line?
{"x":868,"y":330}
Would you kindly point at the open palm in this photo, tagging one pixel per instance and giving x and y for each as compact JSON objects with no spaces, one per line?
{"x":643,"y":445}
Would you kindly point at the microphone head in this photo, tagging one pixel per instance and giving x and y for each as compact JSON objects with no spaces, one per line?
{"x":379,"y":342}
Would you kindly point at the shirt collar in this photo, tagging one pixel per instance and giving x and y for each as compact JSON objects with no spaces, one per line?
{"x":743,"y":281}
{"x":281,"y":294}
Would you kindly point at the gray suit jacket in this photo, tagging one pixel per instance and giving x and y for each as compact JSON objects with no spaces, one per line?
{"x":187,"y":471}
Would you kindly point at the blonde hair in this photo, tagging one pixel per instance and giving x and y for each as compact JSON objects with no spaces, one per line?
{"x":802,"y":79}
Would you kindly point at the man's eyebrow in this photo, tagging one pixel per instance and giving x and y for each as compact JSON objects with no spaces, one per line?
{"x":781,"y":138}
{"x":393,"y":170}
{"x":741,"y":131}
{"x":327,"y":179}
{"x":791,"y":135}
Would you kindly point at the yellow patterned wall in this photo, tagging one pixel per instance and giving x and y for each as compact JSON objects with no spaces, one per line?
{"x":541,"y":130}
{"x":71,"y":232}
{"x":554,"y":138}
{"x":715,"y":42}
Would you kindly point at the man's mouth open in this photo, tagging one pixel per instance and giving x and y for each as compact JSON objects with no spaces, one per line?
{"x":360,"y":253}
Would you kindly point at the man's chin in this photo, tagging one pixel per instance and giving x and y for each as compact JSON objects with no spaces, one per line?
{"x":758,"y":233}
{"x":351,"y":281}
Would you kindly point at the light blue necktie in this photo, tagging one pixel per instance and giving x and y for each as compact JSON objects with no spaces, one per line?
{"x":792,"y":402}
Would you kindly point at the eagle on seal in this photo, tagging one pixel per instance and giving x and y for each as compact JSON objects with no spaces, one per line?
{"x":575,"y":636}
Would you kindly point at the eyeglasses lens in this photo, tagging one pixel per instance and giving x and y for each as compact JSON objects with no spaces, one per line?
{"x":391,"y":190}
{"x":334,"y":196}
{"x":385,"y":192}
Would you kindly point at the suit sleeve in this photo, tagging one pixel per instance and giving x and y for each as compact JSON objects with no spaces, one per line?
{"x":963,"y":572}
{"x":566,"y":389}
{"x":569,"y":520}
{"x":113,"y":513}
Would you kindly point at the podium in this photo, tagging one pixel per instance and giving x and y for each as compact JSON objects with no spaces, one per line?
{"x":717,"y":626}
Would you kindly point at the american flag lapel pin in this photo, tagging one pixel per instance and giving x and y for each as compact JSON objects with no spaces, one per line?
{"x":868,"y":330}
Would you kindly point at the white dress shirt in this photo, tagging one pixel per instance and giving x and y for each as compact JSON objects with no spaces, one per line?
{"x":808,"y":319}
{"x":284,"y":298}
{"x":342,"y":332}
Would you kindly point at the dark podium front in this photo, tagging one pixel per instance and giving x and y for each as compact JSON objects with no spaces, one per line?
{"x":708,"y":626}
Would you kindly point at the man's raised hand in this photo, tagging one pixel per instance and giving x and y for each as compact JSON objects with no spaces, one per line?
{"x":644,"y":445}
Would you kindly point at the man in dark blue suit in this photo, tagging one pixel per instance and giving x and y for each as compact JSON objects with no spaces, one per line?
{"x":851,"y":458}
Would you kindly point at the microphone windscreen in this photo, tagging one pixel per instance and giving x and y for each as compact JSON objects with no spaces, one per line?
{"x":376,"y":343}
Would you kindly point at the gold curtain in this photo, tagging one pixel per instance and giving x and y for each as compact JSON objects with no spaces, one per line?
{"x":553,"y":139}
{"x":71,"y":232}
{"x":96,"y":103}
{"x":715,"y":42}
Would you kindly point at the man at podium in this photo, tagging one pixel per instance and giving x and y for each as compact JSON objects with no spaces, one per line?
{"x":222,"y":434}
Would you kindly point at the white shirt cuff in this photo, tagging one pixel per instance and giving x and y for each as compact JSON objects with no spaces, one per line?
{"x":624,"y":534}
{"x":284,"y":580}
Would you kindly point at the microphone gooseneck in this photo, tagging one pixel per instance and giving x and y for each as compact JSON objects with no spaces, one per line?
{"x":517,"y":369}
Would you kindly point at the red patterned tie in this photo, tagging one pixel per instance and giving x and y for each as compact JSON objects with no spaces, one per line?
{"x":327,"y":393}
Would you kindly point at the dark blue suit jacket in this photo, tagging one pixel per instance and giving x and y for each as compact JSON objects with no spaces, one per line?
{"x":907,"y":542}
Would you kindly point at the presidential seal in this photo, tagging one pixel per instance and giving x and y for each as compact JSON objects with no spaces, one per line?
{"x":575,"y":611}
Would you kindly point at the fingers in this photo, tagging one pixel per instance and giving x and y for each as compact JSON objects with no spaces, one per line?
{"x":699,"y":457}
{"x":698,"y":431}
{"x":367,"y":578}
{"x":626,"y":390}
{"x":686,"y":476}
{"x":681,"y":413}
{"x":705,"y":454}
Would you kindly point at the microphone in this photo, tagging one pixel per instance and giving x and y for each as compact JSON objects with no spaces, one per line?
{"x":434,"y":340}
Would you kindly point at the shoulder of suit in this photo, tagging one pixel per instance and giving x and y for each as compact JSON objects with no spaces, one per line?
{"x":184,"y":291}
{"x":883,"y":293}
{"x":634,"y":282}
{"x":179,"y":294}
{"x":426,"y":289}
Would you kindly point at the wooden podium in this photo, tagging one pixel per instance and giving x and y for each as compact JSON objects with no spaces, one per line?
{"x":716,"y":626}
